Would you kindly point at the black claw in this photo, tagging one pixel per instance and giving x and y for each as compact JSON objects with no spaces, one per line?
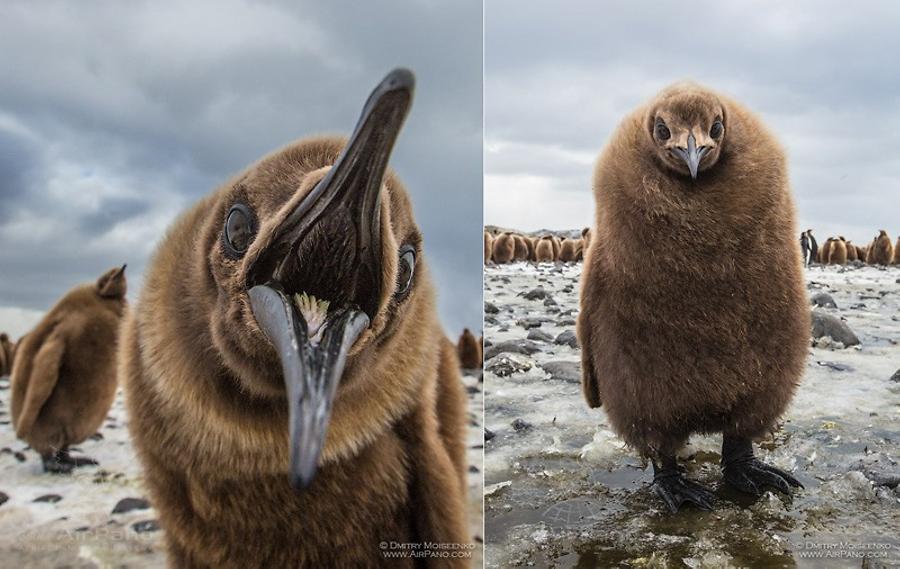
{"x":62,"y":462}
{"x":675,"y":490}
{"x":748,"y":474}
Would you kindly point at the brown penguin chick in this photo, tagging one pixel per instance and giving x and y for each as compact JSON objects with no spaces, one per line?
{"x":504,"y":248}
{"x":826,"y":251}
{"x":543,"y":252}
{"x":837,"y":254}
{"x":586,"y":237}
{"x":529,"y":242}
{"x":677,"y":338}
{"x":851,"y":251}
{"x":861,"y":253}
{"x":64,"y":381}
{"x":897,"y":252}
{"x":569,"y":251}
{"x":5,"y":364}
{"x":488,"y":246}
{"x":882,"y":250}
{"x":557,"y":245}
{"x":467,"y":350}
{"x":291,"y":395}
{"x":521,"y":248}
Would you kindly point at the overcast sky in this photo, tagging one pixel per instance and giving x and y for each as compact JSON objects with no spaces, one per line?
{"x":116,"y":116}
{"x":559,"y":77}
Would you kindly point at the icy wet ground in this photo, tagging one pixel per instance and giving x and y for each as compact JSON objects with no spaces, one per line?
{"x":68,"y":521}
{"x":561,"y":490}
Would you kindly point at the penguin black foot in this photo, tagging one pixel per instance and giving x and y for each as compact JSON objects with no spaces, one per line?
{"x":61,"y":462}
{"x":746,"y":473}
{"x":675,"y":490}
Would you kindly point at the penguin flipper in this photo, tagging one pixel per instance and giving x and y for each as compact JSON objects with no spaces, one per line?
{"x":41,"y":381}
{"x":590,"y":387}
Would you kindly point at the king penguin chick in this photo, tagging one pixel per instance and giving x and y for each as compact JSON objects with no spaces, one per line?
{"x":543,"y":251}
{"x":851,"y":251}
{"x":838,"y":253}
{"x":292,"y":396}
{"x":467,"y":349}
{"x":504,"y":248}
{"x":6,"y":355}
{"x":882,"y":250}
{"x":826,"y":251}
{"x":693,"y":342}
{"x":569,"y":251}
{"x":488,"y":247}
{"x":521,"y":248}
{"x":897,"y":251}
{"x":64,"y":381}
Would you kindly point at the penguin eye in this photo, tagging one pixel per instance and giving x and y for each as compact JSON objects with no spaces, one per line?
{"x":662,"y":131}
{"x":716,"y":130}
{"x":239,"y":230}
{"x":405,"y":270}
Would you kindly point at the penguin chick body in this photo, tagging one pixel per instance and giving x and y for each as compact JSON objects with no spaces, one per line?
{"x":504,"y":248}
{"x":467,"y":350}
{"x":882,"y":250}
{"x":543,"y":251}
{"x":293,"y":399}
{"x":64,"y":381}
{"x":677,"y":336}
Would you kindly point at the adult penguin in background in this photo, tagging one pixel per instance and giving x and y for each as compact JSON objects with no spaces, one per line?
{"x":826,"y":251}
{"x":504,"y":248}
{"x":292,"y":397}
{"x":467,"y":350}
{"x":694,"y":342}
{"x":837,"y":254}
{"x":543,"y":251}
{"x":882,"y":250}
{"x":488,"y":247}
{"x":64,"y":381}
{"x":804,"y":248}
{"x":813,"y":247}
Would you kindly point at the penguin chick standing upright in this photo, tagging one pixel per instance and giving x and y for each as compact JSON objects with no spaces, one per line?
{"x":694,"y":342}
{"x":504,"y":248}
{"x":543,"y":251}
{"x":837,"y":255}
{"x":488,"y":246}
{"x":467,"y":350}
{"x":64,"y":381}
{"x":292,"y":396}
{"x":882,"y":250}
{"x":6,"y":353}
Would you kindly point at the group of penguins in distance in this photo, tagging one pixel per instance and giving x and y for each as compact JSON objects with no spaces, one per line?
{"x":840,"y":251}
{"x":294,"y":401}
{"x":501,"y":247}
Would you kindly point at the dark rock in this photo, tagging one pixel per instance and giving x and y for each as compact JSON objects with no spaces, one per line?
{"x":531,"y":322}
{"x":488,"y":319}
{"x":488,"y":434}
{"x":567,"y":338}
{"x":539,"y":336}
{"x":96,"y":437}
{"x":520,"y":425}
{"x":49,"y":498}
{"x":827,"y":325}
{"x":129,"y":504}
{"x":3,"y":498}
{"x":824,"y":300}
{"x":550,"y":302}
{"x":145,"y":526}
{"x":472,"y":389}
{"x":566,"y":322}
{"x":490,"y":308}
{"x":473,"y":469}
{"x":835,"y":366}
{"x":567,"y":371}
{"x":896,"y":376}
{"x":535,"y":294}
{"x":20,"y":456}
{"x":505,"y":365}
{"x":526,"y":347}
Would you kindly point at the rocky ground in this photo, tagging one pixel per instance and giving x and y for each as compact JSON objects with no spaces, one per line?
{"x":563,"y":491}
{"x":99,"y":517}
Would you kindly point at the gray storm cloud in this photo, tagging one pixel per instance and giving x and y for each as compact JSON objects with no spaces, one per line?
{"x":115,"y":117}
{"x":560,"y":76}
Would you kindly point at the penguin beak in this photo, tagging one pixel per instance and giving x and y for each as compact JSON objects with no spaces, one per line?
{"x":328,"y":249}
{"x":692,"y":155}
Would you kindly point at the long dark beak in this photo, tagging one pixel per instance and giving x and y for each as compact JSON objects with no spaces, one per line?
{"x":347,"y":203}
{"x":692,"y":156}
{"x":121,"y":270}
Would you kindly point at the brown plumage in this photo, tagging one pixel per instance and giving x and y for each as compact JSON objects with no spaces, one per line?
{"x":529,"y":242}
{"x":64,"y":381}
{"x":586,"y":237}
{"x":851,"y":252}
{"x":837,"y":254}
{"x":570,"y":250}
{"x":825,"y":251}
{"x":677,"y":338}
{"x":521,"y":248}
{"x":897,"y":252}
{"x":211,"y":385}
{"x":504,"y":248}
{"x":7,"y":349}
{"x":882,"y":250}
{"x":488,"y":246}
{"x":557,"y":245}
{"x":467,"y":350}
{"x":543,"y":251}
{"x":860,"y":253}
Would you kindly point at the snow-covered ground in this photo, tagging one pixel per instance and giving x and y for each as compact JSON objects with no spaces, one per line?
{"x":563,"y":491}
{"x":68,"y":521}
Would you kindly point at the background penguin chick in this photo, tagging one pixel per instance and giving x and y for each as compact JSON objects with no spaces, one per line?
{"x":520,"y":252}
{"x":543,"y":251}
{"x":897,"y":251}
{"x":688,"y":180}
{"x":570,"y":250}
{"x":882,"y":250}
{"x":557,"y":246}
{"x":467,"y":350}
{"x":851,"y":251}
{"x":504,"y":248}
{"x":826,"y":251}
{"x":488,"y":246}
{"x":838,"y":252}
{"x":64,"y":381}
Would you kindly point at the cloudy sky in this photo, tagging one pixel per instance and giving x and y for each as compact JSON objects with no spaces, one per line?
{"x":559,"y":76}
{"x":116,"y":116}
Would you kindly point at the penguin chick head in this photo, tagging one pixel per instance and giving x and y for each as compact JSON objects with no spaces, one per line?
{"x":312,"y":253}
{"x":112,"y":284}
{"x":686,"y":128}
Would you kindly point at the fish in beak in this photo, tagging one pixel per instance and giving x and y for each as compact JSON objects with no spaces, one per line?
{"x":316,"y":287}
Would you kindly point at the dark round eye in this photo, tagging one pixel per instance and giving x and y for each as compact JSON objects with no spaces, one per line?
{"x":716,"y":130}
{"x":239,"y":230}
{"x":662,"y":131}
{"x":405,"y":270}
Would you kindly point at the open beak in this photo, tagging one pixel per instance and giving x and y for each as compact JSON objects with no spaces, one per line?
{"x":316,"y":287}
{"x":692,"y":155}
